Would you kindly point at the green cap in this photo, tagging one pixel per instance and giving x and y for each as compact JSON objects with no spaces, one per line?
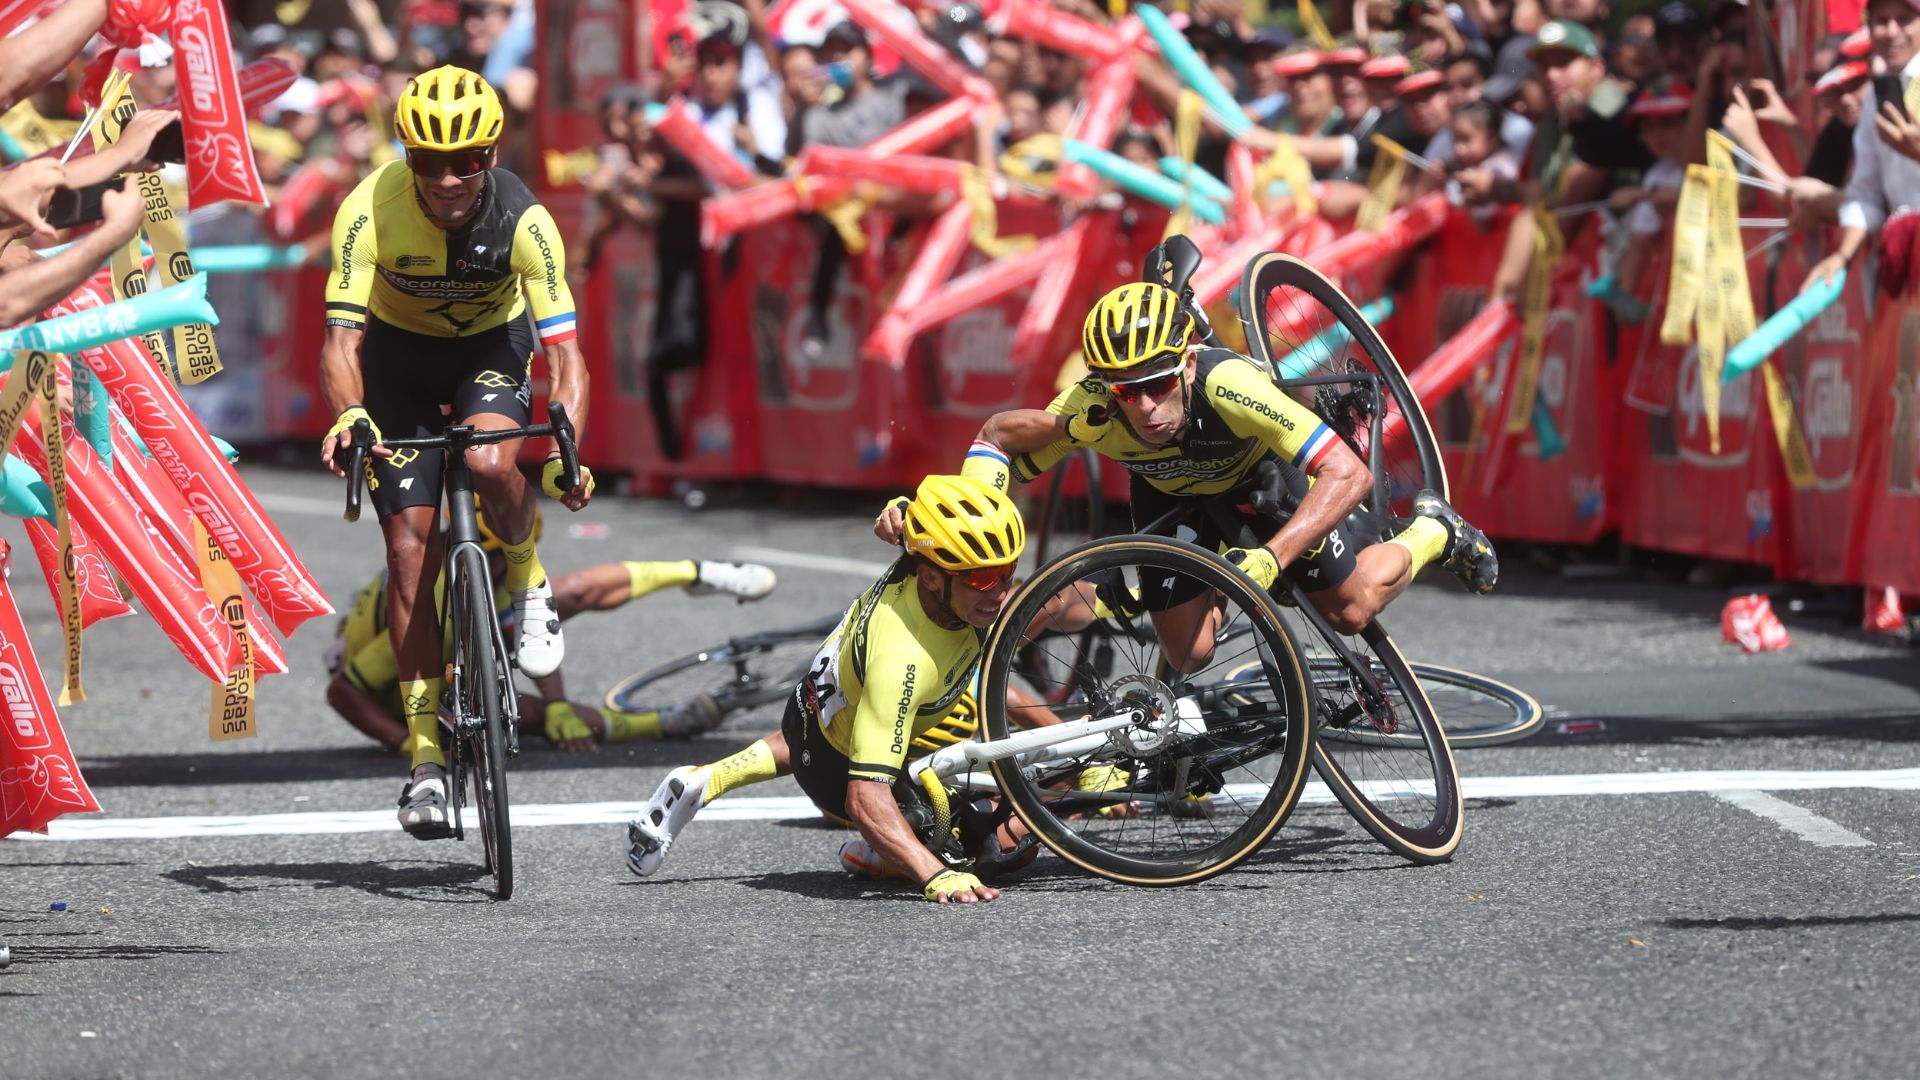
{"x":1562,"y":35}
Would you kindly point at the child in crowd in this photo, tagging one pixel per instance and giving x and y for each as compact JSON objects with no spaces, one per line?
{"x":1477,"y":149}
{"x":1659,"y":115}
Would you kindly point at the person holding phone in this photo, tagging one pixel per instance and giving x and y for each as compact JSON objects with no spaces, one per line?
{"x":32,"y":282}
{"x":1886,"y":153}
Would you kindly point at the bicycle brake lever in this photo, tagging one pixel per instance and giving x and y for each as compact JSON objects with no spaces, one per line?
{"x":563,"y":440}
{"x":360,"y":443}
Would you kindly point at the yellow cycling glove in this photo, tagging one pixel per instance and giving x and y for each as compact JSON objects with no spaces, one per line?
{"x":947,"y":882}
{"x":550,"y":479}
{"x":564,"y":724}
{"x":1089,"y":426}
{"x":1258,"y":564}
{"x":345,"y":422}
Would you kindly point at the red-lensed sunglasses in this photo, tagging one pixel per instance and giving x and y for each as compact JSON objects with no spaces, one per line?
{"x":1157,"y":387}
{"x":986,"y":578}
{"x":463,"y":164}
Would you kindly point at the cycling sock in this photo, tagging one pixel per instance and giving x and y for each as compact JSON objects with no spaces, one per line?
{"x":1425,"y":540}
{"x":523,"y":566}
{"x":749,"y":766}
{"x":626,"y":726}
{"x":420,"y":699}
{"x":653,"y":576}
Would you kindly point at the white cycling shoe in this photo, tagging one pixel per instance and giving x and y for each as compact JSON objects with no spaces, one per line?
{"x":746,"y":581}
{"x":540,"y":647}
{"x":423,"y":803}
{"x":674,"y":803}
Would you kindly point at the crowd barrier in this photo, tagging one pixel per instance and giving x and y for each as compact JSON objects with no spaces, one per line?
{"x":1619,"y":443}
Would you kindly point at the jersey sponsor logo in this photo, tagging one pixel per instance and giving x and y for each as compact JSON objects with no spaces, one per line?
{"x":546,"y":259}
{"x":346,"y":250}
{"x":1228,"y":394}
{"x":905,"y":710}
{"x":407,"y":262}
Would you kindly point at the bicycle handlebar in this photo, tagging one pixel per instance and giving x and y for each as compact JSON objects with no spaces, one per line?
{"x":461,"y":438}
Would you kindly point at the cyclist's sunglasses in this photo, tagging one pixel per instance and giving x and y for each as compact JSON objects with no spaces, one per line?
{"x":464,"y":164}
{"x":1153,"y":386}
{"x":985,"y":578}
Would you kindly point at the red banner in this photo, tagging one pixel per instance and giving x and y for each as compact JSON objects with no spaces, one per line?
{"x":220,"y":162}
{"x":39,"y":780}
{"x":1886,"y":482}
{"x":223,"y":503}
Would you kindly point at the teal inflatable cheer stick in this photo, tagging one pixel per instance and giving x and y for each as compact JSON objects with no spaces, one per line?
{"x":1140,"y":181}
{"x":1204,"y":182}
{"x":250,"y":258}
{"x":1544,"y":433}
{"x":22,"y":493}
{"x":173,"y":306}
{"x":1194,"y":71}
{"x":1767,"y":338}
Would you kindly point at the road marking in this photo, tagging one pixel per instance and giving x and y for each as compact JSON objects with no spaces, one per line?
{"x":780,"y":808}
{"x":300,"y":504}
{"x":801,"y":560}
{"x":1798,"y":820}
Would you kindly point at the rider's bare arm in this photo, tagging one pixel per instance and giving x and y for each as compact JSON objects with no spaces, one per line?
{"x":567,"y":383}
{"x":875,"y":813}
{"x":1340,"y":484}
{"x":340,"y":384}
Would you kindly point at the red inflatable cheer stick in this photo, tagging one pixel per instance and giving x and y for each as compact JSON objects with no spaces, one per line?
{"x":1109,"y":89}
{"x":1047,"y":25}
{"x":939,"y":254}
{"x":100,"y":598}
{"x":894,"y":26}
{"x":39,"y":780}
{"x":682,"y":132}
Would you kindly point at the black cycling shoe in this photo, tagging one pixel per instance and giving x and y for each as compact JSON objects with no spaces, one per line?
{"x":423,"y":804}
{"x":1470,"y":554}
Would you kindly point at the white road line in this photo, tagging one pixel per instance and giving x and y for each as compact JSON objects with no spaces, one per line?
{"x":801,"y":560}
{"x":1798,"y":820}
{"x":300,"y":504}
{"x":1747,"y":784}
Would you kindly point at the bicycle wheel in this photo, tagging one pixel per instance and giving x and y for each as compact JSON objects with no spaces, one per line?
{"x":1064,"y":521}
{"x":750,"y":674}
{"x":1186,"y":793}
{"x":1474,"y":710}
{"x":1380,"y":750}
{"x":1323,"y":351}
{"x":486,"y":687}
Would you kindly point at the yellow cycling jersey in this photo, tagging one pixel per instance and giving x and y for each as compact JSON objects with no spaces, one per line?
{"x":1235,"y":417}
{"x":887,"y":674}
{"x":392,"y":262}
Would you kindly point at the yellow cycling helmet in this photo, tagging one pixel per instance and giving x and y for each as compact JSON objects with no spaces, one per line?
{"x":957,"y":524}
{"x":1133,"y":325}
{"x":489,"y":541}
{"x":448,"y":108}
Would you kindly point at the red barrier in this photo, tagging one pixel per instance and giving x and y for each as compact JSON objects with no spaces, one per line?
{"x":1886,"y":481}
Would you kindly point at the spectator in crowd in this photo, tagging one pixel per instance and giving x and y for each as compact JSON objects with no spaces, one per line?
{"x":1474,"y":148}
{"x":1679,"y":34}
{"x":1516,"y":85}
{"x":1659,"y":114}
{"x":31,"y":58}
{"x":1381,"y":74}
{"x":1466,"y":84}
{"x":1633,"y":55}
{"x":1838,"y":95}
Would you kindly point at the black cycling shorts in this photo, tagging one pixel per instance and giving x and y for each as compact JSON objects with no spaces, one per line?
{"x":820,"y":769}
{"x":416,"y":383}
{"x":1320,"y":568}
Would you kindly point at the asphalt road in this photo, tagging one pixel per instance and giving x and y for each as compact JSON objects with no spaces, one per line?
{"x":1760,"y":924}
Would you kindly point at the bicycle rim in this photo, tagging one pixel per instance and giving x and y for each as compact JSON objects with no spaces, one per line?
{"x":1380,"y":751}
{"x":1473,"y":709}
{"x":1303,"y":328}
{"x":750,"y":675}
{"x":485,"y":688}
{"x":1190,"y":794}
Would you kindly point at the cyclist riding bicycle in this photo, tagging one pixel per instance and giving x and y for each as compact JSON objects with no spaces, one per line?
{"x":364,"y":683}
{"x":1190,"y":422}
{"x":438,"y":259}
{"x":900,"y":661}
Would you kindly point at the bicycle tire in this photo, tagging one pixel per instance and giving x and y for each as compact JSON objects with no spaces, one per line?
{"x":1383,"y":782}
{"x":1061,"y":515}
{"x":484,"y":688}
{"x":1226,"y":757}
{"x":743,"y":674}
{"x":1282,"y":299}
{"x":1474,"y":710}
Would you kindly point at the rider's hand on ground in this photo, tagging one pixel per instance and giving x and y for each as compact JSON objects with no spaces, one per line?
{"x":578,"y":497}
{"x":958,"y":887}
{"x":567,"y":729}
{"x":892,"y":522}
{"x":339,"y":439}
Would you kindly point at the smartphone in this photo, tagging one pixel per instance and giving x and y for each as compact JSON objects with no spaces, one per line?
{"x":1887,"y":88}
{"x":80,"y":206}
{"x":170,"y":145}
